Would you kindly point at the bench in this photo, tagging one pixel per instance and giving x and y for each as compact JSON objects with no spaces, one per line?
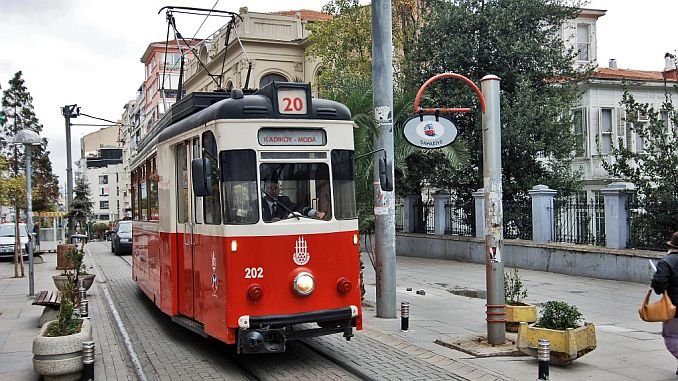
{"x":50,"y":299}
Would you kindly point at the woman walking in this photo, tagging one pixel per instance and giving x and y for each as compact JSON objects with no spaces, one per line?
{"x":666,"y":279}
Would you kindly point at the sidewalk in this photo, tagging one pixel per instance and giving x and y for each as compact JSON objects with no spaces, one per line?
{"x":628,"y":349}
{"x":19,"y":318}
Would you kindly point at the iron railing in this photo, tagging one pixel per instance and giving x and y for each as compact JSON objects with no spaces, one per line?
{"x":460,"y":218}
{"x":580,"y":222}
{"x":399,"y":216}
{"x":651,"y":224}
{"x":424,"y":217}
{"x":517,"y":219}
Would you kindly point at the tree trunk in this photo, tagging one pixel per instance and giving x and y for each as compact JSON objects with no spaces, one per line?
{"x":18,"y":258}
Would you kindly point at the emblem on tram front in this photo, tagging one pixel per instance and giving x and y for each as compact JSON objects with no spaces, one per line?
{"x":215,"y":280}
{"x":301,"y":255}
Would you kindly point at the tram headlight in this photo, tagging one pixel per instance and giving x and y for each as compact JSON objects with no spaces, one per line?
{"x":304,"y":283}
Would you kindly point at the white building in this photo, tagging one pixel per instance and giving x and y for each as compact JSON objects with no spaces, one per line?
{"x":599,"y":117}
{"x":101,"y":166}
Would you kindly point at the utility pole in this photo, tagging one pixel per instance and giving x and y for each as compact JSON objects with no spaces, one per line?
{"x":384,"y":201}
{"x":69,"y":111}
{"x":494,"y":230}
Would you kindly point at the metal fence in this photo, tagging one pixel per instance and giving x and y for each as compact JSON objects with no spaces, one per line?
{"x":651,"y":224}
{"x":424,"y":217}
{"x":399,"y":216}
{"x":460,"y":218}
{"x":517,"y":219}
{"x":578,"y":221}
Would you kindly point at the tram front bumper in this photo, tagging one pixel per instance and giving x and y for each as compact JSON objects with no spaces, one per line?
{"x":268,"y":334}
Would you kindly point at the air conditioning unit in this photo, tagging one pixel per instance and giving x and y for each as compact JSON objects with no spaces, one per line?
{"x":643,"y":118}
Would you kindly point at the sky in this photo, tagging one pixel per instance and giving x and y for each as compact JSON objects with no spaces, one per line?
{"x":87,"y":52}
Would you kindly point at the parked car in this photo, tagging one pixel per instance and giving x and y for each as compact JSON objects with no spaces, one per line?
{"x":7,"y":239}
{"x":121,"y":242}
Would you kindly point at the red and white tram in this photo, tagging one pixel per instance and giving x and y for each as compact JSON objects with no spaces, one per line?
{"x":206,"y":248}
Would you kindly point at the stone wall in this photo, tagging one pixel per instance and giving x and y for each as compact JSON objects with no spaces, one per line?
{"x":583,"y":260}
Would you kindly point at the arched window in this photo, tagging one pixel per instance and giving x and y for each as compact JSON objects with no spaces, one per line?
{"x":229,"y":85}
{"x":268,"y":78}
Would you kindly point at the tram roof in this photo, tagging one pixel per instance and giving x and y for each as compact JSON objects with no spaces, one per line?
{"x":199,"y":108}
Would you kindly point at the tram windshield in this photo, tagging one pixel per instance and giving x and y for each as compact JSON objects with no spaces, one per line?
{"x":295,"y":189}
{"x":287,"y":189}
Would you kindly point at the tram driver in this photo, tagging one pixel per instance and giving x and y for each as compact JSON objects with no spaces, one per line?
{"x":276,"y":207}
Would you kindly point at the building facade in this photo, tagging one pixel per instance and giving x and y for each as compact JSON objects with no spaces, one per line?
{"x":100,"y":165}
{"x":599,"y":120}
{"x":271,"y":48}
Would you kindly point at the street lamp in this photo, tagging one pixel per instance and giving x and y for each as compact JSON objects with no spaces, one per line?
{"x":29,"y":139}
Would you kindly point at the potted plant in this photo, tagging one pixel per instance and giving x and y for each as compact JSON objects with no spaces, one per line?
{"x":74,"y":259}
{"x":517,"y":311}
{"x":57,"y":350}
{"x":562,"y":324}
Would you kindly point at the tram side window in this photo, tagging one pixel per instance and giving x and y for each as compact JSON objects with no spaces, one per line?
{"x":182,"y":183}
{"x":211,"y":204}
{"x":143,"y":194}
{"x":239,"y":186}
{"x":135,"y":213}
{"x":343,"y":180}
{"x":153,"y":194}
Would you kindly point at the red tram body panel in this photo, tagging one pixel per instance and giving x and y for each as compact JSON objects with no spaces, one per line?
{"x":211,"y":246}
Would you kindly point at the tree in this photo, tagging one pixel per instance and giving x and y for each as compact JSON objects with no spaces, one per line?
{"x":18,"y":114}
{"x":652,"y":170}
{"x":519,"y":41}
{"x":81,"y":207}
{"x":343,"y":45}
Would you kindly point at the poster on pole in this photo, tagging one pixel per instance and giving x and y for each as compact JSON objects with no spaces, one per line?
{"x":430,"y":131}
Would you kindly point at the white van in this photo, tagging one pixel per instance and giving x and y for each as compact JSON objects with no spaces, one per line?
{"x":7,"y":233}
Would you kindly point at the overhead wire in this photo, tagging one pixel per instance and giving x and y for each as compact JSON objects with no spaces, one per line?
{"x":172,"y":23}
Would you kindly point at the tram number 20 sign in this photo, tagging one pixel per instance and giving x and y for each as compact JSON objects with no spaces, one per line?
{"x":292,"y":101}
{"x":430,"y":132}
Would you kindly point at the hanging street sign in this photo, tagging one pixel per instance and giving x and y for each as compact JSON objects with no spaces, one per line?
{"x":429,"y":131}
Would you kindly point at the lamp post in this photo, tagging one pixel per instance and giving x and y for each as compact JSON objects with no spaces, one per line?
{"x":29,"y":139}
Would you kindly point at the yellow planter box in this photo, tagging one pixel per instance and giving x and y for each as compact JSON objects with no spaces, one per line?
{"x":566,"y":346}
{"x":517,"y":314}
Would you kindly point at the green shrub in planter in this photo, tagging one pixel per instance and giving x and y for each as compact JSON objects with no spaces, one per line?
{"x":559,"y":316}
{"x":514,"y":289}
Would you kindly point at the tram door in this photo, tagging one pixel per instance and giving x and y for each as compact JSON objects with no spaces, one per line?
{"x":185,"y":152}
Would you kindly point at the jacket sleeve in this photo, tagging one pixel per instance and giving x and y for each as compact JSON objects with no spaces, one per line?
{"x":660,"y":280}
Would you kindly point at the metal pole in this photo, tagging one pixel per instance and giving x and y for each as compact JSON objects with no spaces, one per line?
{"x":492,"y":181}
{"x":384,"y":202}
{"x":29,"y":219}
{"x":67,"y":111}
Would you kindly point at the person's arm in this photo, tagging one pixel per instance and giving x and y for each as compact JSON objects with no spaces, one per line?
{"x":660,"y":280}
{"x":313,"y":213}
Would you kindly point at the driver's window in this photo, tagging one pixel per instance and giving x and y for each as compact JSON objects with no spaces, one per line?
{"x":239,"y":191}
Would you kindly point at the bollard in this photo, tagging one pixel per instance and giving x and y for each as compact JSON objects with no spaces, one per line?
{"x":544,"y":356}
{"x":88,"y":360}
{"x":404,"y":316}
{"x":84,"y":308}
{"x":82,"y":292}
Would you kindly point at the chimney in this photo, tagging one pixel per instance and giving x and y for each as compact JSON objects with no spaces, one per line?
{"x":612,"y":63}
{"x":669,"y":62}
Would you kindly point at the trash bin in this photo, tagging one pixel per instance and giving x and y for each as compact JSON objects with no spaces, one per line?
{"x":78,"y":238}
{"x":62,"y":249}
